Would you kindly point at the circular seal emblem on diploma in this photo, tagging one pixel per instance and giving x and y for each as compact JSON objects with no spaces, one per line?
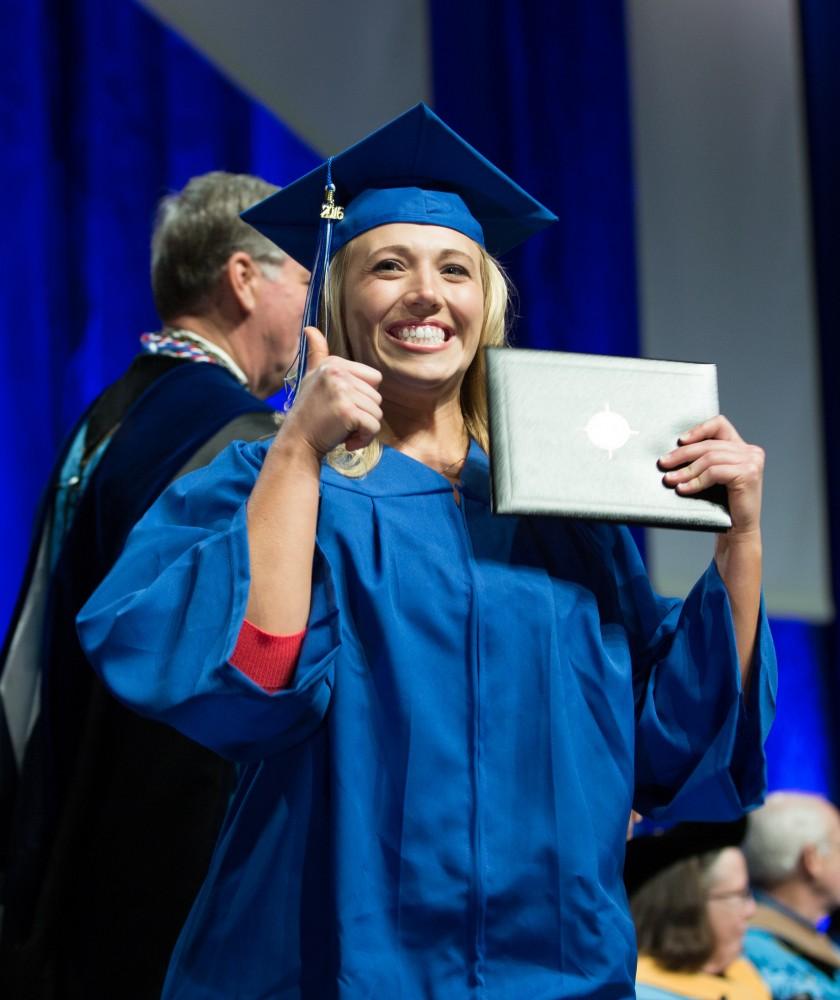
{"x":608,"y":430}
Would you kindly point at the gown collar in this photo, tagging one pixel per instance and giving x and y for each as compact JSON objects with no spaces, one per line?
{"x":397,"y":474}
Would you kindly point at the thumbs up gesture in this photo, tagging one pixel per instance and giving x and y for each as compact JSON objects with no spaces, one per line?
{"x":338,"y":402}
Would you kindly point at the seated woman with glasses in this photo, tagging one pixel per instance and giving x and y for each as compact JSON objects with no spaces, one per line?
{"x":691,"y":903}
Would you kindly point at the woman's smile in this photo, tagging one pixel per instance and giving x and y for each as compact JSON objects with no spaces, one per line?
{"x":424,"y":337}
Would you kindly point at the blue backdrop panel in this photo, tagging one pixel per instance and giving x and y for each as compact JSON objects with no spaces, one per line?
{"x":102,"y":111}
{"x":542,"y":89}
{"x":802,"y":749}
{"x":820,"y":29}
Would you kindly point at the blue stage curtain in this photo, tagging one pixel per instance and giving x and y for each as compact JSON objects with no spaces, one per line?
{"x":542,"y":88}
{"x":803,"y":744}
{"x":820,"y":34}
{"x":102,"y":110}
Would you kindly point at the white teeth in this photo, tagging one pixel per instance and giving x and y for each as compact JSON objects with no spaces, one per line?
{"x":420,"y":334}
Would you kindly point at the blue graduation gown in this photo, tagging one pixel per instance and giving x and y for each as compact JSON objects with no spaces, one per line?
{"x":437,"y":807}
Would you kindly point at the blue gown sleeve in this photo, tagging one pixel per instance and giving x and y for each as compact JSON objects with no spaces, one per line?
{"x":160,"y":628}
{"x":699,"y":751}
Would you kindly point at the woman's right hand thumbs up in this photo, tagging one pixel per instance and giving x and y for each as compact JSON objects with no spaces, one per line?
{"x":338,"y":401}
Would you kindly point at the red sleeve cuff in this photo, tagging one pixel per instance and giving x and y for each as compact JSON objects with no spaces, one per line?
{"x":268,"y":660}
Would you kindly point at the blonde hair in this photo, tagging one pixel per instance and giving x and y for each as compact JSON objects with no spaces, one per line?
{"x":474,"y":407}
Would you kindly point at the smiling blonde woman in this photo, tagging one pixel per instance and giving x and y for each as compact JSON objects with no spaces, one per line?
{"x":442,"y":717}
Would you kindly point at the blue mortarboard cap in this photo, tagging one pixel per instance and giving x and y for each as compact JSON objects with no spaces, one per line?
{"x":414,"y":169}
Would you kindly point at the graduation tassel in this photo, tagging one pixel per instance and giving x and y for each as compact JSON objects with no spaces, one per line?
{"x":330,"y":213}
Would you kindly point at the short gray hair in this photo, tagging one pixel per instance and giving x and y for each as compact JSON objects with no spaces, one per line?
{"x":779,"y":831}
{"x":196,"y":230}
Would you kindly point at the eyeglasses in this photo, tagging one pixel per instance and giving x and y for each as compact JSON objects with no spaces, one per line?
{"x":733,"y":895}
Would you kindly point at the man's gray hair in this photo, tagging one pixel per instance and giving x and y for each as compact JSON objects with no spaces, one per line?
{"x":196,"y":231}
{"x":779,"y":831}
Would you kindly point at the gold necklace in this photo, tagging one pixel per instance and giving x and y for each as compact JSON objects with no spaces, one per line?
{"x":442,"y":470}
{"x":458,"y":461}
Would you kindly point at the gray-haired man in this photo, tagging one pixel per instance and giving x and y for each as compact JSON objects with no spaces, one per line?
{"x":114,"y":817}
{"x":793,"y":853}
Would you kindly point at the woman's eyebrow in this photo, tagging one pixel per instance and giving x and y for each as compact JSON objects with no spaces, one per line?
{"x":392,"y":248}
{"x":402,"y":248}
{"x":453,"y":252}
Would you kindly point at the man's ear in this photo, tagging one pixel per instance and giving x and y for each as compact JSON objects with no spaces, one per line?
{"x":809,"y":861}
{"x":240,"y":275}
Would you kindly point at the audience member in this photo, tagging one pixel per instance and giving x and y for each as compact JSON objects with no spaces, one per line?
{"x":691,"y":903}
{"x":793,"y":852}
